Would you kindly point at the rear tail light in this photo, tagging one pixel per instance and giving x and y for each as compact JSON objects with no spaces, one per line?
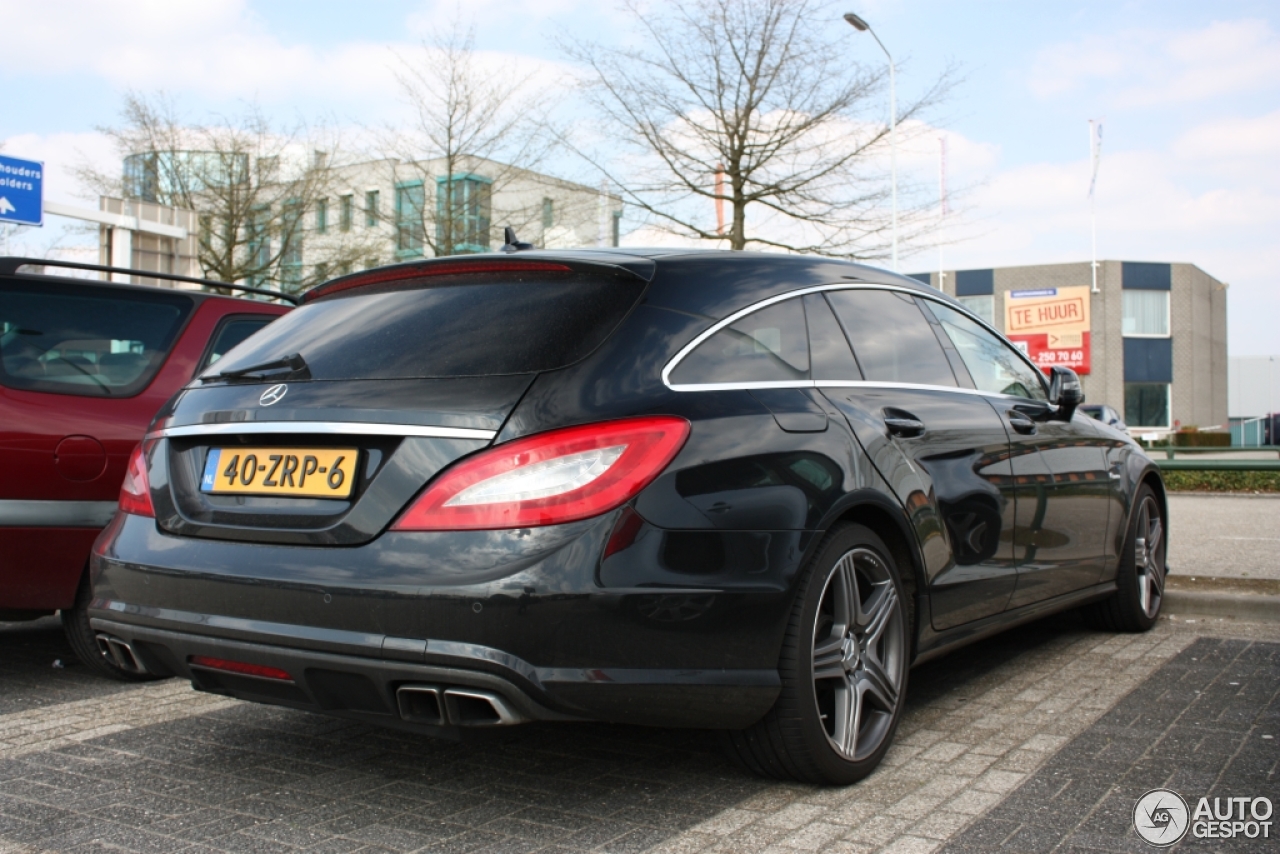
{"x":135,"y":492}
{"x":551,"y":478}
{"x":244,"y":668}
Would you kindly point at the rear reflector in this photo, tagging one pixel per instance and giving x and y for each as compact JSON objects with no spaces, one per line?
{"x":420,"y":271}
{"x":259,"y":670}
{"x":550,"y":478}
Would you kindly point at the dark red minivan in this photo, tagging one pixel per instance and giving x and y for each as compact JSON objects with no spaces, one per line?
{"x":84,"y":365}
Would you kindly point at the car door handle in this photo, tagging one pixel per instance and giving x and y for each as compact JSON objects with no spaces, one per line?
{"x":904,"y":428}
{"x":1022,"y":424}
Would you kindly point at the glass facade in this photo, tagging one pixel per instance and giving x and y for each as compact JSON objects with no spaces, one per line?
{"x":410,"y":234}
{"x":371,"y":200}
{"x":322,"y":216}
{"x":1146,"y":404}
{"x":166,"y":176}
{"x":463,"y":209}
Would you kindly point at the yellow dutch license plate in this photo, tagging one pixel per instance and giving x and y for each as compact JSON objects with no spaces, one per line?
{"x":301,"y":472}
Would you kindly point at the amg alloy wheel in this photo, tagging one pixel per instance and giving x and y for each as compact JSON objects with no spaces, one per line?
{"x":1140,"y":580}
{"x":858,"y":651}
{"x":843,"y":668}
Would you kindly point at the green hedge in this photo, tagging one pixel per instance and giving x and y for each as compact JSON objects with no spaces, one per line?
{"x":1222,"y":481}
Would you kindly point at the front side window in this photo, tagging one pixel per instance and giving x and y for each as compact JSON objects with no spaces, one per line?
{"x":767,"y":346}
{"x":891,"y":337}
{"x":1146,"y":404}
{"x":85,"y":341}
{"x":994,"y":366}
{"x":1146,"y":313}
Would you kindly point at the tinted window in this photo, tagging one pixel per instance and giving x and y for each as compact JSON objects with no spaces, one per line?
{"x":232,"y":333}
{"x":85,"y":340}
{"x":994,"y":365}
{"x":829,"y":349}
{"x":769,"y":345}
{"x":452,"y":327}
{"x":891,"y":337}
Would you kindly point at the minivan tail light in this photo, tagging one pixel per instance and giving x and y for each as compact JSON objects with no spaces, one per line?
{"x":549,"y":478}
{"x":135,"y":492}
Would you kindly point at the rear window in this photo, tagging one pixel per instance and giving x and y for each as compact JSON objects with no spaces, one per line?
{"x":84,"y":340}
{"x":446,"y":327}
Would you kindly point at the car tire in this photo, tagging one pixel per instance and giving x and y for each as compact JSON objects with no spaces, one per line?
{"x":843,"y":667}
{"x":84,"y":640}
{"x":1140,"y":580}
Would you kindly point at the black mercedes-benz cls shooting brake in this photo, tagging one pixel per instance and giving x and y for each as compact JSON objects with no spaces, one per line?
{"x":734,"y":491}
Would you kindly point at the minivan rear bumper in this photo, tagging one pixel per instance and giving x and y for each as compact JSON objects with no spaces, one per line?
{"x":520,"y":616}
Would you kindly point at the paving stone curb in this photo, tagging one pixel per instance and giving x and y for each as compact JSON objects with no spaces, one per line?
{"x":1254,"y":607}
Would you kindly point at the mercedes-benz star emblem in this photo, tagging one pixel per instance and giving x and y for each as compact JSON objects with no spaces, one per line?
{"x":273,"y":394}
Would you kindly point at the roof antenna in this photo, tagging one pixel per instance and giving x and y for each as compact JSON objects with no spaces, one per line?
{"x":513,"y":243}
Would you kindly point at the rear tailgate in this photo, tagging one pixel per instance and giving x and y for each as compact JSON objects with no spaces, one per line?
{"x":380,"y":440}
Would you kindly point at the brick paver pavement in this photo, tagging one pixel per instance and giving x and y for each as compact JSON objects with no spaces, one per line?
{"x":161,"y":768}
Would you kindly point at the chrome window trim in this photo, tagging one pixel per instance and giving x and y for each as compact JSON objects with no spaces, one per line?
{"x":21,"y":513}
{"x":844,"y":286}
{"x":328,"y":428}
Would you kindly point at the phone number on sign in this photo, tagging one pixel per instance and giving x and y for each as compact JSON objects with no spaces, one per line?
{"x":1055,"y":357}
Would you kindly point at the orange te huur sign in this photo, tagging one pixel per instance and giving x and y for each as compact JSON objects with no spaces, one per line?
{"x":1051,"y":325}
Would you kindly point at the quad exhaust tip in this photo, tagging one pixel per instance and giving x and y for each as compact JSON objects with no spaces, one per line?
{"x":120,"y":653}
{"x":464,"y":707}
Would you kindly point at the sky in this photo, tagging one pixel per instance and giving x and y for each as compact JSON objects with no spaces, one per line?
{"x":1188,"y":95}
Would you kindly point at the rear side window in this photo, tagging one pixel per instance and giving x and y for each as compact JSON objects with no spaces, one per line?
{"x":769,"y":345}
{"x":455,"y":326}
{"x":232,"y":332}
{"x":891,"y":337}
{"x":98,"y":342}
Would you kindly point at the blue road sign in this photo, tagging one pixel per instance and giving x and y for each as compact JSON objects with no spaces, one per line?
{"x":21,"y":191}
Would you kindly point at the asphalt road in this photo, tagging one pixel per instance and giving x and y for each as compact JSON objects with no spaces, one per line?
{"x":1225,"y":536}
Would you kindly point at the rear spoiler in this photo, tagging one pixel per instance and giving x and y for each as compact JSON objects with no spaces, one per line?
{"x":11,"y":266}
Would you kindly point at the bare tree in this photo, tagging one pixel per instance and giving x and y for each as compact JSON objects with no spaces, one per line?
{"x":472,"y":147}
{"x":758,"y":105}
{"x":260,"y":191}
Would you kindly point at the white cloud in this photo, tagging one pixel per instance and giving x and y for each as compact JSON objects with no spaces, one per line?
{"x":1143,"y":68}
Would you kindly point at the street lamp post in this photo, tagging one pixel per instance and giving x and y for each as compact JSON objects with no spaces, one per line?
{"x":863,"y":27}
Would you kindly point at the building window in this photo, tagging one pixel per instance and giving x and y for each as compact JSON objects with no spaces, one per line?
{"x":410,"y":200}
{"x":617,"y":228}
{"x":258,"y":240}
{"x":291,"y":245}
{"x":1146,"y":313}
{"x":463,"y":209}
{"x":983,"y":306}
{"x":344,"y":213}
{"x":344,"y":268}
{"x":548,"y":213}
{"x":371,"y":208}
{"x":322,"y":216}
{"x":322,"y":272}
{"x":1146,"y":404}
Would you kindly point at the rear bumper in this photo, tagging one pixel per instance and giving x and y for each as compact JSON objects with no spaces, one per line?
{"x":526,"y":616}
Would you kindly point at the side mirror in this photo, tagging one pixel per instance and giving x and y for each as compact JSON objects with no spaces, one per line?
{"x":1064,"y":392}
